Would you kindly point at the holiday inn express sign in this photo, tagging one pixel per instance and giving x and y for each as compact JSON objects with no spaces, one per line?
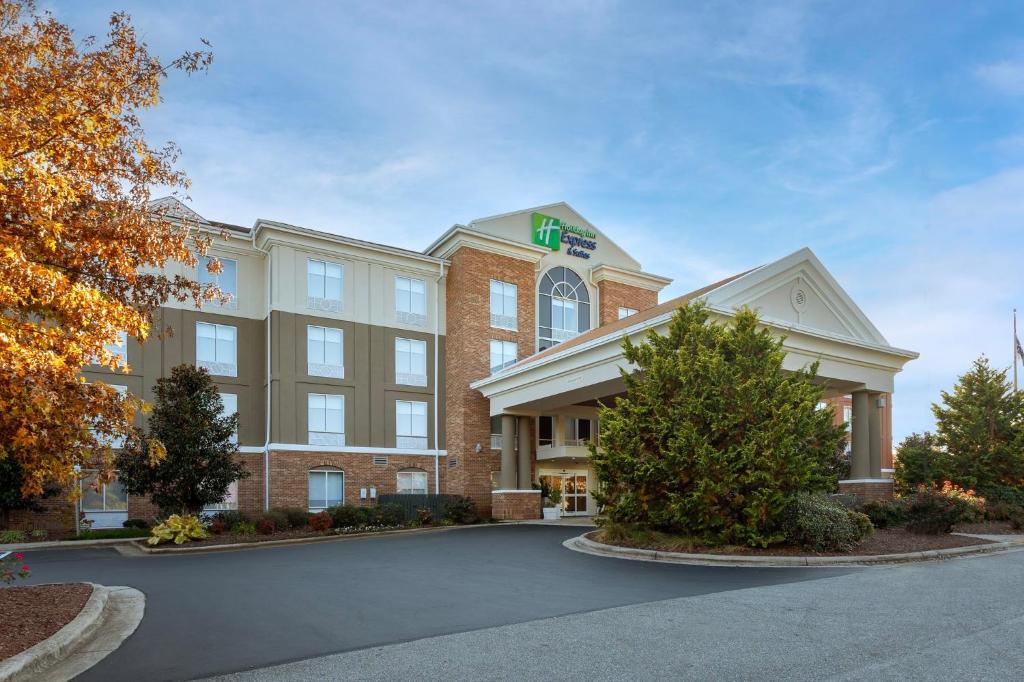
{"x":551,"y":233}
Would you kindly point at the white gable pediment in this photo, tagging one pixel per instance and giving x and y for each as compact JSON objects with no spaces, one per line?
{"x":797,"y":291}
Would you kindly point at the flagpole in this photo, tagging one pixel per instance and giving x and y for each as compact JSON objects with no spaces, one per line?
{"x":1014,"y":350}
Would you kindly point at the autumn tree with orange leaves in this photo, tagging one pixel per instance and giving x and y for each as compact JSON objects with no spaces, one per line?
{"x":81,"y":256}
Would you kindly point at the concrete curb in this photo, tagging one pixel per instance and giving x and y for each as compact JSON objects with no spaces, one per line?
{"x":70,"y":651}
{"x":64,"y":544}
{"x":185,"y":549}
{"x":581,"y":543}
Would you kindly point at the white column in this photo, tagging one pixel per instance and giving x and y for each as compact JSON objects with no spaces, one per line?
{"x":860,"y":432}
{"x":875,"y":435}
{"x":508,"y":452}
{"x":525,"y":447}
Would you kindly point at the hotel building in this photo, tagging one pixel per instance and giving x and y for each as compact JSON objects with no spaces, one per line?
{"x":474,"y":367}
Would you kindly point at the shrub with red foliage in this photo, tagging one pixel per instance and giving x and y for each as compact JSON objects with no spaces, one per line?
{"x":218,"y":525}
{"x":266,"y":526}
{"x":320,"y":521}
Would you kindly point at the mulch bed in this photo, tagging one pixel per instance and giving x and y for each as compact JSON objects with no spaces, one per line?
{"x":229,"y":539}
{"x":31,"y":614}
{"x":883,"y":541}
{"x":989,"y":528}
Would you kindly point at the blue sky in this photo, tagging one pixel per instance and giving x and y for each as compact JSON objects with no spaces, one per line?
{"x":705,"y":138}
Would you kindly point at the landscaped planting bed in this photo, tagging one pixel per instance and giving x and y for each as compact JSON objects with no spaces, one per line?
{"x":989,"y":528}
{"x":882,"y":541}
{"x":31,"y":614}
{"x":235,"y":538}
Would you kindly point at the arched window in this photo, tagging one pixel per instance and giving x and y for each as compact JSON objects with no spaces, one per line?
{"x":563,"y":307}
{"x":412,"y":481}
{"x":326,"y":488}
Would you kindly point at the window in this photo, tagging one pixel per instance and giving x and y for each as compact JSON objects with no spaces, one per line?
{"x":326,"y":489}
{"x":503,"y":354}
{"x":496,"y":438}
{"x":226,"y":280}
{"x":230,"y":501}
{"x":106,"y":497}
{"x":626,"y":312}
{"x":216,"y":349}
{"x":112,"y":441}
{"x":411,"y":301}
{"x":229,"y":406}
{"x":324,"y":352}
{"x":119,"y":348}
{"x":410,"y":424}
{"x":326,"y":419}
{"x":504,"y":306}
{"x":847,"y":414}
{"x":545,"y":430}
{"x":578,"y":430}
{"x":324,"y":285}
{"x":563,"y":307}
{"x":410,"y":362}
{"x":412,"y":483}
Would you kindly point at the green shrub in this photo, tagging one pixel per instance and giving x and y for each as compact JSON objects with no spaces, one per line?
{"x":1001,"y":511}
{"x":713,"y":437}
{"x":919,"y":461}
{"x":391,"y":515}
{"x":1017,"y":519}
{"x":462,"y":510}
{"x":885,"y":513}
{"x":230,"y":518}
{"x":243,"y":528}
{"x":40,"y":534}
{"x":347,"y":516}
{"x":142,"y":524}
{"x":275,"y":516}
{"x":929,"y":512}
{"x":819,"y":524}
{"x":1003,"y":494}
{"x":295,"y":517}
{"x":111,"y":534}
{"x":11,"y":536}
{"x":371,"y":515}
{"x":424,"y":516}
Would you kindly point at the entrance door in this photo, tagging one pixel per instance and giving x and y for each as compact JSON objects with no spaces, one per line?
{"x":573,"y":485}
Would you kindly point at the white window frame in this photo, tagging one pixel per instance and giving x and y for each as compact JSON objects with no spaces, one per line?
{"x":82,"y":483}
{"x":330,"y":403}
{"x":415,"y":313}
{"x":326,"y":475}
{"x":506,"y":352}
{"x":115,"y":442}
{"x":226,"y":410}
{"x":207,"y":277}
{"x":406,"y":371}
{"x":317,"y":295}
{"x":572,"y":431}
{"x":410,"y":425}
{"x":504,"y":305}
{"x":226,"y":366}
{"x":325,"y":369}
{"x":410,"y":487}
{"x":626,"y":312}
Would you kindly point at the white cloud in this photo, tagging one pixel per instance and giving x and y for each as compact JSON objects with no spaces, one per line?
{"x":1007,"y":76}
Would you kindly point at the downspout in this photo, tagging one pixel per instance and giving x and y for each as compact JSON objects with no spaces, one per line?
{"x":437,"y":323}
{"x":266,"y":420}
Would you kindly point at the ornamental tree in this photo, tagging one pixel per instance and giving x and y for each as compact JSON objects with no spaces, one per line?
{"x":981,"y":426}
{"x":80,"y":254}
{"x":712,"y":438}
{"x":197,"y":456}
{"x":12,"y":478}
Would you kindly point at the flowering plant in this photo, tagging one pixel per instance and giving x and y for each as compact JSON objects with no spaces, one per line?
{"x":9,"y":569}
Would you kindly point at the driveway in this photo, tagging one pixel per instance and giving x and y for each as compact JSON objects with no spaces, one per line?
{"x":209,"y":614}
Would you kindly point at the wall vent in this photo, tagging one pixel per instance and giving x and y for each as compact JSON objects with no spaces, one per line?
{"x":382,"y":461}
{"x":453,"y":462}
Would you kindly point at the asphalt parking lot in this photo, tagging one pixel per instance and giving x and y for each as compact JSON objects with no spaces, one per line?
{"x":211,"y":614}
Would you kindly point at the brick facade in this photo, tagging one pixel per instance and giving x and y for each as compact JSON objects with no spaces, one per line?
{"x":289,"y":481}
{"x":516,"y":505}
{"x":468,"y":359}
{"x":868,"y":490}
{"x":615,"y":295}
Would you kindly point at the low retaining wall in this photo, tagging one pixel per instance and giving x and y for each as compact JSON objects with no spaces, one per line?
{"x":516,"y":505}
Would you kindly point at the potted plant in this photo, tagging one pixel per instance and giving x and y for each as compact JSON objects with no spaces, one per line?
{"x":552,"y":505}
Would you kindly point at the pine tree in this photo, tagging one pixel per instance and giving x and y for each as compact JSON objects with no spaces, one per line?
{"x":713,"y":438}
{"x":981,"y":425}
{"x":920,"y":461}
{"x":187,"y":461}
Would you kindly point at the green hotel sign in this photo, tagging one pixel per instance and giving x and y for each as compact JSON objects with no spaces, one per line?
{"x":551,"y":233}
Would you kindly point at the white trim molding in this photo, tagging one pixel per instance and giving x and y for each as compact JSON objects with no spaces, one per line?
{"x":515,"y":491}
{"x":635,"y":278}
{"x":353,"y":450}
{"x":867,"y":480}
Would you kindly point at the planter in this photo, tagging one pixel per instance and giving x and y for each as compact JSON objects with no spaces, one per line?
{"x":552,"y":513}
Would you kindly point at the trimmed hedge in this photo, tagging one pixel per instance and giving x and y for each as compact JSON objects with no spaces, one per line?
{"x":823,"y":525}
{"x":453,"y":508}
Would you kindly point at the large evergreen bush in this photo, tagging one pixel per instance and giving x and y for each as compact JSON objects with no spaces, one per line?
{"x":713,"y":439}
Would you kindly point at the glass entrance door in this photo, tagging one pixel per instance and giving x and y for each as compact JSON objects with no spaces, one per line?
{"x":573,"y":486}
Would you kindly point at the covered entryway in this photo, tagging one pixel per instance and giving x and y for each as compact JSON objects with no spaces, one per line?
{"x":796,"y":298}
